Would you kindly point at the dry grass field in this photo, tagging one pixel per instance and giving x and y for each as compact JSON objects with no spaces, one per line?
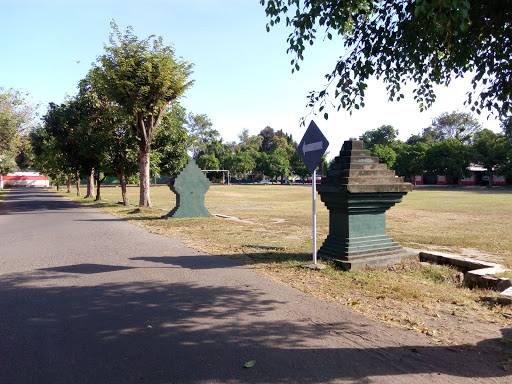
{"x":475,"y":222}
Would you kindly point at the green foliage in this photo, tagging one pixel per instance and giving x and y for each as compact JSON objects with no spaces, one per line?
{"x":297,"y":166}
{"x":240,"y":164}
{"x":456,"y":125}
{"x":384,"y":135}
{"x":143,"y":76}
{"x":171,"y":141}
{"x":25,"y":153}
{"x":208,"y":162}
{"x":449,"y":157}
{"x":16,"y":119}
{"x":419,"y":41}
{"x":278,"y":163}
{"x":267,"y":134}
{"x":410,"y":159}
{"x":201,"y":134}
{"x":385,"y":154}
{"x":491,"y":150}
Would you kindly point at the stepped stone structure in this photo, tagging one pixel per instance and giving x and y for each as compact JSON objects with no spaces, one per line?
{"x":190,"y":186}
{"x":357,"y":191}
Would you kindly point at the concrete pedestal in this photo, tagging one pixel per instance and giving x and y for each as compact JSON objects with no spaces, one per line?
{"x":357,"y":192}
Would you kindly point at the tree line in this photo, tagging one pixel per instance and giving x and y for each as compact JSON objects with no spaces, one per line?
{"x":126,"y":121}
{"x":447,"y":147}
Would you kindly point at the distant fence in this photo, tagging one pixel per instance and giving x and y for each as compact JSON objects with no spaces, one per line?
{"x":24,"y":179}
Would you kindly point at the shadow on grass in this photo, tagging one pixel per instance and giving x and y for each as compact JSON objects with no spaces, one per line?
{"x":54,"y":330}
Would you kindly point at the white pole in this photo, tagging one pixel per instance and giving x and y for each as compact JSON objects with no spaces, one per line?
{"x":313,"y":182}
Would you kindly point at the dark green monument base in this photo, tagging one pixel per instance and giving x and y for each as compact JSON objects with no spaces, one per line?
{"x":357,"y":192}
{"x":356,"y":253}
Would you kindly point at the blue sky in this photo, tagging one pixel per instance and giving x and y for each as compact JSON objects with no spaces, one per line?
{"x":242,"y":73}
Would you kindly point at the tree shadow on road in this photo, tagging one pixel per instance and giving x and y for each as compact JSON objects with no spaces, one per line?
{"x":55,"y":330}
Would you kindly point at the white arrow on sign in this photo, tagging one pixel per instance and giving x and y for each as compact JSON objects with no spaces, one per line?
{"x":312,"y":147}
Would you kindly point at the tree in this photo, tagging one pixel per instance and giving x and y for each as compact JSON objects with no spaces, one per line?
{"x":491,"y":150}
{"x":208,"y":162}
{"x":410,"y":159}
{"x":278,"y":163}
{"x":47,"y":156}
{"x":249,"y":143}
{"x":419,"y":41}
{"x":144,"y":78}
{"x":449,"y":157}
{"x":262,"y":165}
{"x":16,"y":118}
{"x":456,"y":125}
{"x":384,"y":135}
{"x":240,"y":164}
{"x":171,"y":140}
{"x":57,"y":133}
{"x":297,"y":166}
{"x":267,"y":135}
{"x":385,"y":154}
{"x":201,"y":133}
{"x":24,"y":153}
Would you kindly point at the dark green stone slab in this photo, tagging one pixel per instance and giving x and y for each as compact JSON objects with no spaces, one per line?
{"x":190,"y":186}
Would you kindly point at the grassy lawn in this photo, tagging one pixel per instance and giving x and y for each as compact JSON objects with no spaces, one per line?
{"x":429,"y":299}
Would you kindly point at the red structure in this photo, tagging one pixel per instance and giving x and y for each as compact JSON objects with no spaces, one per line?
{"x":25,"y":179}
{"x":417,"y":180}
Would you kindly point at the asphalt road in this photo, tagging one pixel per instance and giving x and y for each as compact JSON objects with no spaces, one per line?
{"x":88,"y":298}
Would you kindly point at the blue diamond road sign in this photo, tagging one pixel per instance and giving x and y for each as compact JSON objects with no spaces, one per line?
{"x":312,"y":146}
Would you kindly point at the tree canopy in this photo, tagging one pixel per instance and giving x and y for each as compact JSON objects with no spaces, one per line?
{"x":16,"y":117}
{"x":144,"y":77}
{"x":401,"y":41}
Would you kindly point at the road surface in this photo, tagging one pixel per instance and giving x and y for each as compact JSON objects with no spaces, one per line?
{"x":89,"y":298}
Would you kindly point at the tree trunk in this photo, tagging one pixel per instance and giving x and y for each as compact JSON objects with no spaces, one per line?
{"x":490,"y":179}
{"x":144,"y":200}
{"x":98,"y":187}
{"x":90,"y":184}
{"x":122,"y":181}
{"x":58,"y":187}
{"x":69,"y":184}
{"x":78,"y":193}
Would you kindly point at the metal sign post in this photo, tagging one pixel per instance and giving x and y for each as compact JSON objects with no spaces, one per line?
{"x":313,"y":182}
{"x":311,"y":149}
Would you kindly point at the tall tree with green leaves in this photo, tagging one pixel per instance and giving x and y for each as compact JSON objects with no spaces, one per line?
{"x":171,"y":140}
{"x":456,"y":125}
{"x":144,"y":77}
{"x":403,"y":41}
{"x":410,"y":159}
{"x":449,"y":157}
{"x":384,"y":135}
{"x":201,"y":133}
{"x":16,"y":118}
{"x":491,"y":150}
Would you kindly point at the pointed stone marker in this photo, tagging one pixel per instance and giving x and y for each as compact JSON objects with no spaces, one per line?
{"x":190,"y":186}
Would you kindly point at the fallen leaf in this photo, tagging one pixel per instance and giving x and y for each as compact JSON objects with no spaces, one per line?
{"x":250,"y":364}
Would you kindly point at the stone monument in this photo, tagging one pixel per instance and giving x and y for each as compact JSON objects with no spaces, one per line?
{"x":190,"y":186}
{"x":357,"y":192}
